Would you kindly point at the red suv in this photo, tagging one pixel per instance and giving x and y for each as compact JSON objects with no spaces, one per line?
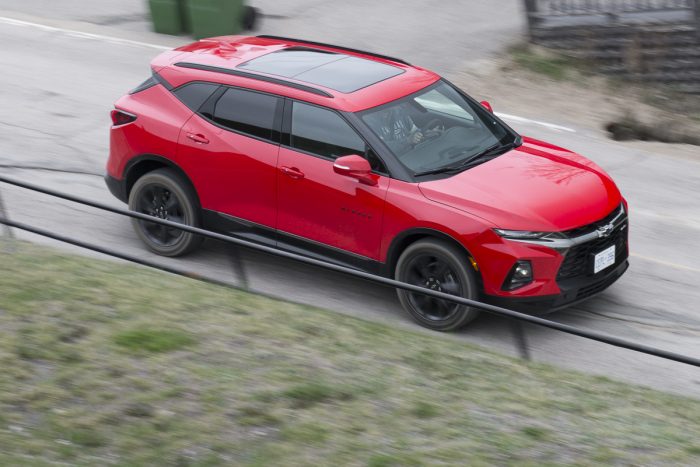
{"x":365,"y":161}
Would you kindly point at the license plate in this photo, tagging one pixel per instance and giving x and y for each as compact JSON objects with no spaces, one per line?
{"x":604,"y":259}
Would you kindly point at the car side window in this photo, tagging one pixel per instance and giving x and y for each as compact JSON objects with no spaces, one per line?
{"x":325,"y":133}
{"x":193,"y":95}
{"x":248,"y":112}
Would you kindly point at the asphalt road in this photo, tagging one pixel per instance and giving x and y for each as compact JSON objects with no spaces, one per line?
{"x":56,"y":89}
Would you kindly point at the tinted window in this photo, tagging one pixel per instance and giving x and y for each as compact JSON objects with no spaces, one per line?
{"x":193,"y":95}
{"x":145,"y":85}
{"x":291,"y":61}
{"x":337,"y":71}
{"x":323,"y":132}
{"x":248,"y":112}
{"x":349,"y":74}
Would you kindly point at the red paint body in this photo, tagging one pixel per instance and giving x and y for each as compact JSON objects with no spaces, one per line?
{"x":536,"y":187}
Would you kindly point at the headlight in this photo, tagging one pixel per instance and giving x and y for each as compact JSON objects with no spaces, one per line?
{"x":528,"y":235}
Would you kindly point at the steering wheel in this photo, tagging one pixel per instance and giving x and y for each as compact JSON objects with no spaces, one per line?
{"x":434,"y":129}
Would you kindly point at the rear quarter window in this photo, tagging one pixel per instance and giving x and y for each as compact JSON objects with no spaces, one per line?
{"x":247,"y":112}
{"x":193,"y":95}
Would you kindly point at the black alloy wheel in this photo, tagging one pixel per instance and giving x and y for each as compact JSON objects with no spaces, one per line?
{"x":439,"y":266}
{"x":163,"y":194}
{"x":158,"y":201}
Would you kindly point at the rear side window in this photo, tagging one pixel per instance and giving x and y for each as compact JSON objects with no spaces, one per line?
{"x":193,"y":95}
{"x":323,"y":132}
{"x":248,"y":112}
{"x":150,"y":82}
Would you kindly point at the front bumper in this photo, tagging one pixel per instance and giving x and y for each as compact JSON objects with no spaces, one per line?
{"x":573,"y":291}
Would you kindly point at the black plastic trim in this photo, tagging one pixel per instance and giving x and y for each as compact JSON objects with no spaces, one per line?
{"x":394,"y":252}
{"x":241,"y":228}
{"x":286,"y":139}
{"x":339,"y":47}
{"x":568,"y":297}
{"x":149,"y":83}
{"x":508,"y":284}
{"x":116,"y":187}
{"x":162,"y":81}
{"x":151,"y":158}
{"x":245,"y":74}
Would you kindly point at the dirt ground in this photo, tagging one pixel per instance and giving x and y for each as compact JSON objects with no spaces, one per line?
{"x":584,"y":101}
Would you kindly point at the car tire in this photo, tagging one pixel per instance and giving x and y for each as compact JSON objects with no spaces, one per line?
{"x":436,"y":264}
{"x":165,"y":194}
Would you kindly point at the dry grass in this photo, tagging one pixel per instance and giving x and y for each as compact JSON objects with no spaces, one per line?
{"x":105,"y":364}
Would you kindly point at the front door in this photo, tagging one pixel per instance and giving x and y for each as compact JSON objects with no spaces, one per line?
{"x":317,"y":205}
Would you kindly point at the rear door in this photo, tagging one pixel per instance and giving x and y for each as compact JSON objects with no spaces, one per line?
{"x":230,"y":148}
{"x":315,"y":203}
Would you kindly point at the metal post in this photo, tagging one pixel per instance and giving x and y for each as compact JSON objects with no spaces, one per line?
{"x":520,"y":340}
{"x":7,"y":230}
{"x":238,"y":266}
{"x":531,"y":14}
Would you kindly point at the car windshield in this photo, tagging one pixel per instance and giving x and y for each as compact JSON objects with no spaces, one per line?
{"x":437,"y":129}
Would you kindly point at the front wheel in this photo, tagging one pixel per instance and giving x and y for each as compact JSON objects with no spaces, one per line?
{"x":162,"y":193}
{"x":437,"y":265}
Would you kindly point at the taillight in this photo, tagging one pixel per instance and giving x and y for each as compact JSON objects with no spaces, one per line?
{"x":119,"y":117}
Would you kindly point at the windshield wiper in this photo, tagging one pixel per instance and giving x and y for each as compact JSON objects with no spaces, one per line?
{"x":494,"y":150}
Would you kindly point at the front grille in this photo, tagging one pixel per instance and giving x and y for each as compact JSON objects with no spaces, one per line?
{"x":578,"y":261}
{"x":595,"y":287}
{"x":578,"y":231}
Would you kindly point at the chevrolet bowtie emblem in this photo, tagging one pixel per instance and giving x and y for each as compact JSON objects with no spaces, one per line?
{"x":604,"y":231}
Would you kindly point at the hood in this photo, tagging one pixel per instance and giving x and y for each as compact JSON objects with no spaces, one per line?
{"x":537,"y":187}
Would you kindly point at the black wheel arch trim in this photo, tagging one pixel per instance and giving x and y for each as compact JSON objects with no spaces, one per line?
{"x":398,"y":245}
{"x":145,"y":158}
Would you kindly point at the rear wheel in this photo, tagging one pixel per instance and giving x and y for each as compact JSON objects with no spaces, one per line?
{"x":437,"y":265}
{"x":164,"y":194}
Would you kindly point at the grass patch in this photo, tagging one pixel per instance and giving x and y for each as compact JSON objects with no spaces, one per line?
{"x":237,"y":379}
{"x":86,"y":437}
{"x":424,"y":409}
{"x":535,"y":432}
{"x":153,"y":340}
{"x":555,"y":66}
{"x":305,"y":433}
{"x":308,"y":394}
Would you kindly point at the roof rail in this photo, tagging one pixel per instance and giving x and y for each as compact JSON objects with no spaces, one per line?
{"x":339,"y":47}
{"x":245,"y":74}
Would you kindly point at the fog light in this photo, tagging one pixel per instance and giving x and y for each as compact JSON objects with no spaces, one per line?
{"x":520,"y":275}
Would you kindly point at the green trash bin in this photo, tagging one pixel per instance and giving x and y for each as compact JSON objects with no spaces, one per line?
{"x":169,"y":16}
{"x":210,"y":18}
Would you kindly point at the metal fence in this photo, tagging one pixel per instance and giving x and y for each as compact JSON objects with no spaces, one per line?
{"x":517,"y":317}
{"x":604,"y":7}
{"x":541,"y":12}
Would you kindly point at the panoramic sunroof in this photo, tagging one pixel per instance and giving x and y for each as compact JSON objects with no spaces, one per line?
{"x":337,"y":71}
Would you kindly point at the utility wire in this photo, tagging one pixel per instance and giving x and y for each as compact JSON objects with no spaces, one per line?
{"x":588,"y":334}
